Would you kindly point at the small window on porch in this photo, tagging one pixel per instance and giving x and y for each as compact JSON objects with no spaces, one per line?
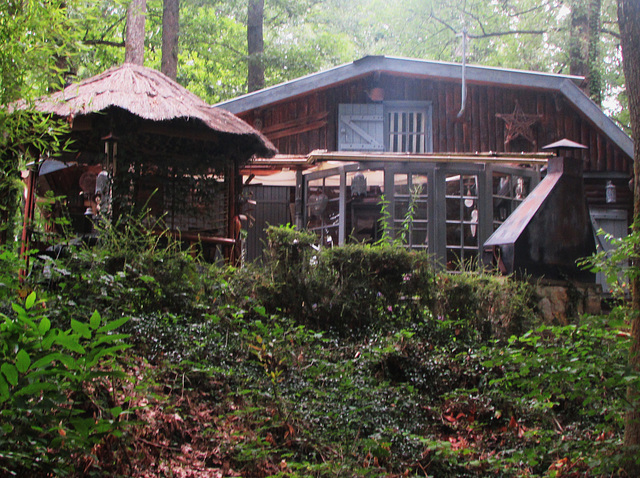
{"x":462,"y":215}
{"x":410,"y":215}
{"x":509,"y":190}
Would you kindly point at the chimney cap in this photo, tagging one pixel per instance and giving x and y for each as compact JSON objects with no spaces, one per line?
{"x":565,"y":144}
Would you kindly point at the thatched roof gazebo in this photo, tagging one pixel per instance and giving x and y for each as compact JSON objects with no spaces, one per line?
{"x":155,"y":99}
{"x":160,"y":145}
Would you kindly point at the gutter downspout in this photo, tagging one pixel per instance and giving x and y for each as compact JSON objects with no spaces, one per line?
{"x":464,"y":73}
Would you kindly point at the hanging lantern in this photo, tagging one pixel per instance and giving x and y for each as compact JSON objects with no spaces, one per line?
{"x":610,"y":194}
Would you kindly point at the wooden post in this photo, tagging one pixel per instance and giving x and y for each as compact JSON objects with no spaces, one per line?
{"x":29,"y":209}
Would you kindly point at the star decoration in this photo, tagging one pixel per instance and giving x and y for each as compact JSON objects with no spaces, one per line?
{"x":519,"y":123}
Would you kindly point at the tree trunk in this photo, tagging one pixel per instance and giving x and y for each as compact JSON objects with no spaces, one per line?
{"x":134,"y":43}
{"x":594,"y":80}
{"x":584,"y":39}
{"x":578,"y":38}
{"x":629,"y":23}
{"x":170,"y":33}
{"x":255,"y":42}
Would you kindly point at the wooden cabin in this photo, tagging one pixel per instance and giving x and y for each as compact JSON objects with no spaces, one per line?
{"x":478,"y":127}
{"x":139,"y":140}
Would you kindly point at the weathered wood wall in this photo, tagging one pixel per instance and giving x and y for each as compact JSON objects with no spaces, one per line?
{"x":309,"y":122}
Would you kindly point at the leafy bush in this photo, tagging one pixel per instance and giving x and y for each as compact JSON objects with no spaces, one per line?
{"x":57,"y":389}
{"x":355,"y":287}
{"x":481,"y":306}
{"x":346,"y":289}
{"x":131,"y":270}
{"x":567,"y":386}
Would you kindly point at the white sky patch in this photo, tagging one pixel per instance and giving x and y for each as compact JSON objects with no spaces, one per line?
{"x":564,"y":12}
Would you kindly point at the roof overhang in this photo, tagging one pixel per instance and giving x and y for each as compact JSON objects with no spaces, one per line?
{"x":402,"y":66}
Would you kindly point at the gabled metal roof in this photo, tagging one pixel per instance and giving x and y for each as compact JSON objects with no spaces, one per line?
{"x":564,"y":84}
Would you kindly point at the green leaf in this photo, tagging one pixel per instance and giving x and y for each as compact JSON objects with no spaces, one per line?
{"x":81,"y":329}
{"x":114,"y":324}
{"x":23,"y":361}
{"x":48,"y":341}
{"x":95,"y":320}
{"x":18,"y":310}
{"x":10,"y":372}
{"x":47,"y":359}
{"x":45,"y":326}
{"x":4,"y":389}
{"x":105,"y":339}
{"x":31,"y":299}
{"x":70,"y":342}
{"x":36,"y":388}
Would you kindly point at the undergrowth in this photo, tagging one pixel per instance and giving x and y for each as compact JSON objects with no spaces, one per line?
{"x":355,"y":361}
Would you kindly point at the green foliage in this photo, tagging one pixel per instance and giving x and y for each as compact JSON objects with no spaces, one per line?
{"x":35,"y":37}
{"x":393,"y":370}
{"x":416,"y":397}
{"x":398,"y":238}
{"x":10,"y":264}
{"x":483,"y":305}
{"x":616,"y":261}
{"x":132,"y":270}
{"x":57,"y":389}
{"x":343,"y":289}
{"x":349,"y":288}
{"x":571,"y":379}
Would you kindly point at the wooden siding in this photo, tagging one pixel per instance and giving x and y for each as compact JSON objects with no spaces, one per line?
{"x":309,"y":122}
{"x":273,"y":207}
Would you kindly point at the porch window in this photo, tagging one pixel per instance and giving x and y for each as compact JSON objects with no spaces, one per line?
{"x":410,"y":215}
{"x":462,"y":215}
{"x":323,"y":210}
{"x":509,"y":190}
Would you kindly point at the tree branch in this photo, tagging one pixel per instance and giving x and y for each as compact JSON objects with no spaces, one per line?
{"x":533,"y":9}
{"x":488,"y":35}
{"x":614,"y":34}
{"x":104,"y":42}
{"x":443,"y":23}
{"x":513,"y":32}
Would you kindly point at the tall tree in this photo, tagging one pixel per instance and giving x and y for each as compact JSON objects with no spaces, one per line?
{"x":255,"y":45}
{"x":593,"y":75}
{"x":584,"y":39}
{"x":629,"y":22}
{"x":134,"y":42}
{"x":170,"y":35}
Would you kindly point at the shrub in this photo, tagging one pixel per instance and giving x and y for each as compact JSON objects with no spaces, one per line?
{"x":131,"y":270}
{"x":343,"y":289}
{"x":57,"y":389}
{"x":484,"y":306}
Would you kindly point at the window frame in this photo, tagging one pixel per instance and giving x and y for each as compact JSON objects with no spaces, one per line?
{"x":381,"y":126}
{"x":424,"y":107}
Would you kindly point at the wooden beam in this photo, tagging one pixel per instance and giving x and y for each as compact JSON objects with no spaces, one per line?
{"x":501,"y":158}
{"x":288,"y":128}
{"x":180,"y":132}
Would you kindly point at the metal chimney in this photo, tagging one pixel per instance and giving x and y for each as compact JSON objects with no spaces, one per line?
{"x":551,"y":229}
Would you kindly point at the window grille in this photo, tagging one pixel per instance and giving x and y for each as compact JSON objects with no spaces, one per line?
{"x":407,"y":130}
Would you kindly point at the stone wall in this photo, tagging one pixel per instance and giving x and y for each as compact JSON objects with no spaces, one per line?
{"x":561,"y":301}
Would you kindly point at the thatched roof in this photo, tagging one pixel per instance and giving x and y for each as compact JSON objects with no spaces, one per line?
{"x":149,"y":94}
